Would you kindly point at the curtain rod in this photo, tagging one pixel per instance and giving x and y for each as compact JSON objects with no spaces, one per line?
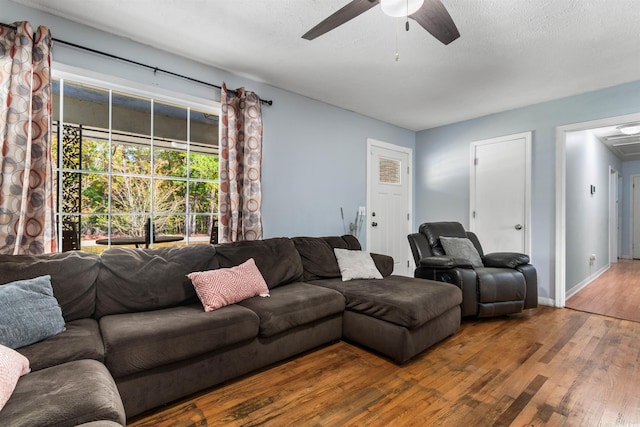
{"x":155,"y":69}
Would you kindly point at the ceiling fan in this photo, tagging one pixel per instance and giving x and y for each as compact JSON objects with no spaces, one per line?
{"x":430,"y":14}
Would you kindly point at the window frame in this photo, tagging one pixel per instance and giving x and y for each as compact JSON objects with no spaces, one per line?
{"x":113,"y":84}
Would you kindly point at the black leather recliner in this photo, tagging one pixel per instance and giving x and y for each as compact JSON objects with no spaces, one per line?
{"x":505,"y":283}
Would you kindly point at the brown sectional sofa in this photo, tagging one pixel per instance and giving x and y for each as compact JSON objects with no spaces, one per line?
{"x":137,"y":336}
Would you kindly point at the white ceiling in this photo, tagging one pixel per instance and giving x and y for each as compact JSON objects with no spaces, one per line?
{"x":511,"y":53}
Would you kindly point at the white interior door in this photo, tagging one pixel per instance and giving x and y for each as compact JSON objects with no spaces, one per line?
{"x":500,"y":193}
{"x":635,"y":189}
{"x":389,"y":203}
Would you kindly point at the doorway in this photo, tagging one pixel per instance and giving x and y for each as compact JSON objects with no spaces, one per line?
{"x":389,"y":202}
{"x":562,"y":133}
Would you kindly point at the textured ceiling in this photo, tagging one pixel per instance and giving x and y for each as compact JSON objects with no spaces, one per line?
{"x":511,"y":53}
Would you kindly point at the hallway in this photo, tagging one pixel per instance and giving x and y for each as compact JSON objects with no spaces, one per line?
{"x":616,"y":293}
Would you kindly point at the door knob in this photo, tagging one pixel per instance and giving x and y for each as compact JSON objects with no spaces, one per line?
{"x":518,"y":227}
{"x":374,"y":224}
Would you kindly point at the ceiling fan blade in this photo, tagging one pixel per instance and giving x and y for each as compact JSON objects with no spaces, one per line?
{"x":433,"y":17}
{"x":347,"y":13}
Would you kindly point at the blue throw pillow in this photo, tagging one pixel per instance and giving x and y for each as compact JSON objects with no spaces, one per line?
{"x":28,"y":312}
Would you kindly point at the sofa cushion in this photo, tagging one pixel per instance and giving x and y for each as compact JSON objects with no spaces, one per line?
{"x":343,"y":242}
{"x":276,"y":258}
{"x":133,"y":280}
{"x":404,"y":301}
{"x":13,"y":365}
{"x":28,"y":312}
{"x":384,"y":264}
{"x":294,"y":305}
{"x":80,"y":340}
{"x":318,"y":259}
{"x":65,"y":395}
{"x":224,"y":286}
{"x":356,"y":265}
{"x":73,"y":275}
{"x":136,"y":342}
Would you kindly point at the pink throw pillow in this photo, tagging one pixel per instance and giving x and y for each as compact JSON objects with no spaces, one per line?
{"x":224,"y":286}
{"x":13,"y":365}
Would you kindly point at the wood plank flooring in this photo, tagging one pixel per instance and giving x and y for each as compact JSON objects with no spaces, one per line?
{"x":547,"y":367}
{"x":615,"y":293}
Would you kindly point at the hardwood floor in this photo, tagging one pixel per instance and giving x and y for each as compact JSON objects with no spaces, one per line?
{"x":547,"y":367}
{"x":615,"y":293}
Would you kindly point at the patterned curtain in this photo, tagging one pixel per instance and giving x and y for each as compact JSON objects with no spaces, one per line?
{"x":240,"y":163}
{"x":26,"y":203}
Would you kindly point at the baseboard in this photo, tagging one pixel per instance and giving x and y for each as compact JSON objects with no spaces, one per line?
{"x":580,"y":286}
{"x":546,"y":301}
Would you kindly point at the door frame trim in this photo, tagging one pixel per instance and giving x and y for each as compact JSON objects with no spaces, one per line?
{"x":613,"y":214}
{"x":405,"y":150}
{"x":561,"y":199}
{"x":527,"y":136}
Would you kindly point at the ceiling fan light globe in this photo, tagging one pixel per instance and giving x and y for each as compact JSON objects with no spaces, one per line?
{"x":399,"y":8}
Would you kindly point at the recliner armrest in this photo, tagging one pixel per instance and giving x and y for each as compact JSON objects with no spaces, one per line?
{"x":505,"y":259}
{"x":444,"y":262}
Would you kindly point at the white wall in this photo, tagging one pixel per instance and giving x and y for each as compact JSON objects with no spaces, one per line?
{"x":314,"y":154}
{"x":442,"y":163}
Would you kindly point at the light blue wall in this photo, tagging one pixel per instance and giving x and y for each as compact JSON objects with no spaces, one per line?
{"x":587,"y":233}
{"x":314,"y":154}
{"x":442,"y":163}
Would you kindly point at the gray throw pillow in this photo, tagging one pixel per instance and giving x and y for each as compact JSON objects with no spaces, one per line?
{"x":461,"y":247}
{"x":356,"y":265}
{"x":28,"y":312}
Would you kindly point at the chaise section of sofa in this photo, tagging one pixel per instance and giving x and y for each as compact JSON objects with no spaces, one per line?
{"x":397,"y":316}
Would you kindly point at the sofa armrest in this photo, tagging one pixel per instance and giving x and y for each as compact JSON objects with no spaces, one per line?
{"x":384,"y":263}
{"x":444,"y":262}
{"x":505,"y":259}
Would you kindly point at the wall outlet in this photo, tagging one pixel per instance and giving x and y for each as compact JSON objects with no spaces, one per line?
{"x":592,"y":259}
{"x":362,"y":210}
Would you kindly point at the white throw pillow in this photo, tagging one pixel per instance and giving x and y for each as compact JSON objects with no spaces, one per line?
{"x":356,"y":265}
{"x":461,"y":247}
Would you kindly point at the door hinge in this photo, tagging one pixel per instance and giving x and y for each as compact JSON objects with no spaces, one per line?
{"x":407,"y":263}
{"x":475,"y":161}
{"x":408,"y":170}
{"x":473,"y":214}
{"x":408,"y":217}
